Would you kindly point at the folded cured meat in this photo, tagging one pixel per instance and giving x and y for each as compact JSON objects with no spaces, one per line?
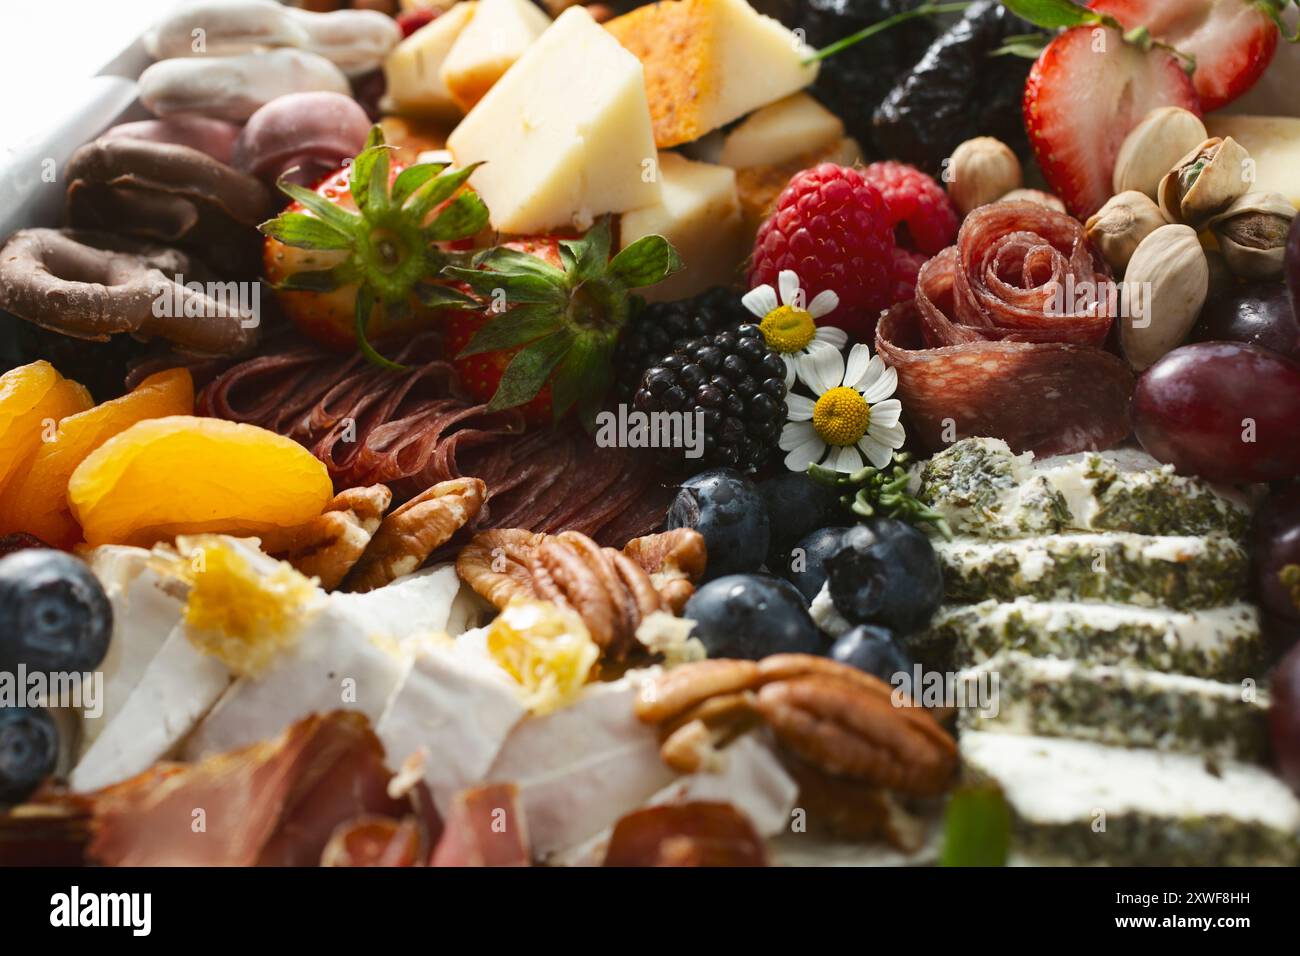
{"x":1006,"y":338}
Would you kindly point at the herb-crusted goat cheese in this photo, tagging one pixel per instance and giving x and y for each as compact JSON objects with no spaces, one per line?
{"x":981,"y":488}
{"x":1121,"y":706}
{"x":1146,"y":570}
{"x":1080,"y":802}
{"x":1222,"y":643}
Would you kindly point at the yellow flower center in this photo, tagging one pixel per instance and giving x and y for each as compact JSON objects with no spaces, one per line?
{"x":841,"y":416}
{"x":787,"y":329}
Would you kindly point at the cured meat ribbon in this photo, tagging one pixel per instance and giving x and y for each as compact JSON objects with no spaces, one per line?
{"x":1006,"y":338}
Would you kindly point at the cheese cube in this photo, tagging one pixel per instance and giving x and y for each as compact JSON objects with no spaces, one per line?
{"x":785,"y":130}
{"x":565,"y":135}
{"x":496,"y":37}
{"x":413,"y":71}
{"x":1273,"y":143}
{"x":708,"y":62}
{"x":700,"y":215}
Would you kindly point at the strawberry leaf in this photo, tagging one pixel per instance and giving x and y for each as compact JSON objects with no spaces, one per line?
{"x":443,"y":296}
{"x":369,"y":180}
{"x":582,"y":378}
{"x":412,"y":178}
{"x":511,"y":328}
{"x":365,"y":307}
{"x":436,"y":191}
{"x":649,"y":260}
{"x":325,"y":210}
{"x":305,"y":232}
{"x":318,"y":280}
{"x":587,"y":257}
{"x":529,"y":370}
{"x":505,"y":260}
{"x":466,"y":215}
{"x":1053,"y":14}
{"x":977,"y":830}
{"x":516,"y":289}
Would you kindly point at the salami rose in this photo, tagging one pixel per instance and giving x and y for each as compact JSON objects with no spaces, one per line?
{"x":1005,"y":336}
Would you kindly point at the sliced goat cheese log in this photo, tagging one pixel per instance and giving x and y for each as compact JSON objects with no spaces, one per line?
{"x":417,"y":603}
{"x":582,"y":767}
{"x":452,"y":712}
{"x":1122,"y":706}
{"x":982,"y":488}
{"x":700,"y":215}
{"x":708,"y":62}
{"x":1079,"y":802}
{"x":413,"y":70}
{"x":177,"y":688}
{"x":145,"y":610}
{"x":780,"y":132}
{"x":496,"y":37}
{"x":1178,"y":572}
{"x":1224,"y":643}
{"x":564,"y":135}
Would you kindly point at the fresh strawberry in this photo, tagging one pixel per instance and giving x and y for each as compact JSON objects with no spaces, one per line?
{"x":552,"y":308}
{"x":1233,"y":41}
{"x":1085,"y":92}
{"x":361,"y":254}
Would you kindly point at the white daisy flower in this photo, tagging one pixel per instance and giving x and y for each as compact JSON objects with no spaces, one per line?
{"x":853,"y":418}
{"x":789,"y":326}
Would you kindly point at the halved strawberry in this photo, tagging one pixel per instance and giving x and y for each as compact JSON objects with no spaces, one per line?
{"x":1084,"y":94}
{"x":550,"y":312}
{"x":1233,"y":41}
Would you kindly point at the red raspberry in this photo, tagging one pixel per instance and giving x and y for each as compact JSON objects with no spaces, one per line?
{"x":924,"y":216}
{"x":831,"y":227}
{"x":906,"y":266}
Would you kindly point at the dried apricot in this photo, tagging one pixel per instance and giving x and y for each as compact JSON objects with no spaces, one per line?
{"x":33,"y":399}
{"x":36,"y":498}
{"x":185,"y":475}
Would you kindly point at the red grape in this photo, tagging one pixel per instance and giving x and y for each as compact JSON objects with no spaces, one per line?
{"x":1284,"y":717}
{"x":1257,"y":313}
{"x":1222,"y":410}
{"x":1276,"y":552}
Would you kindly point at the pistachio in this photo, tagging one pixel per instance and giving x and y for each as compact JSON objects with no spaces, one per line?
{"x":1118,"y":227}
{"x":1034,"y":195}
{"x":1164,"y":288}
{"x":1252,"y":234}
{"x":1204,"y":182}
{"x":980,"y":171}
{"x":1153,"y":147}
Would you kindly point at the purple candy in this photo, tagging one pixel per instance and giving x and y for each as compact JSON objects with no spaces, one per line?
{"x":314,"y":132}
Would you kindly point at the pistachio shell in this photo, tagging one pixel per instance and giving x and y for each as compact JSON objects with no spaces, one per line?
{"x":1118,"y":227}
{"x":1153,"y":147}
{"x":1252,"y":234}
{"x":1220,"y":180}
{"x":1165,"y":286}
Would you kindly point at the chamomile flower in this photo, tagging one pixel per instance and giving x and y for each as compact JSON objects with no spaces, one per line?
{"x":852,"y":420}
{"x":789,"y":326}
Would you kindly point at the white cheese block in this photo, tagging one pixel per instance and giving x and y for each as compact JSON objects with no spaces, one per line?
{"x":495,"y":38}
{"x":177,"y":688}
{"x":413,"y":70}
{"x":782,"y":131}
{"x":826,"y":616}
{"x":582,"y":767}
{"x":565,"y":134}
{"x":1094,"y":803}
{"x":144,"y":614}
{"x":417,"y":603}
{"x":456,"y":708}
{"x":1273,"y":143}
{"x":699,"y":213}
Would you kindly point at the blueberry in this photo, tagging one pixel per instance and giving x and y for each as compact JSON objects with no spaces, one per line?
{"x":751,"y":616}
{"x":796,"y":506}
{"x":885,"y":572}
{"x":29,"y":747}
{"x":805,"y":565}
{"x":874,"y":650}
{"x":727,"y":510}
{"x":54,"y":615}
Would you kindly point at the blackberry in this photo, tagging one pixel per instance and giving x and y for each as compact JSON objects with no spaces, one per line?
{"x":736,"y":382}
{"x":661,"y":327}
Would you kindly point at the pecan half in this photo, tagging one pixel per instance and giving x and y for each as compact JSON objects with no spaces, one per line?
{"x":329,"y":545}
{"x":495,"y":564}
{"x":412,"y":532}
{"x":675,"y":560}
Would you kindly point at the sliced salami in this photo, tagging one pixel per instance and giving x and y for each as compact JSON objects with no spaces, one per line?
{"x":1004,"y":338}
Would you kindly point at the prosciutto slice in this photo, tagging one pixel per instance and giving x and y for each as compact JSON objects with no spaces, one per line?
{"x":1006,"y":338}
